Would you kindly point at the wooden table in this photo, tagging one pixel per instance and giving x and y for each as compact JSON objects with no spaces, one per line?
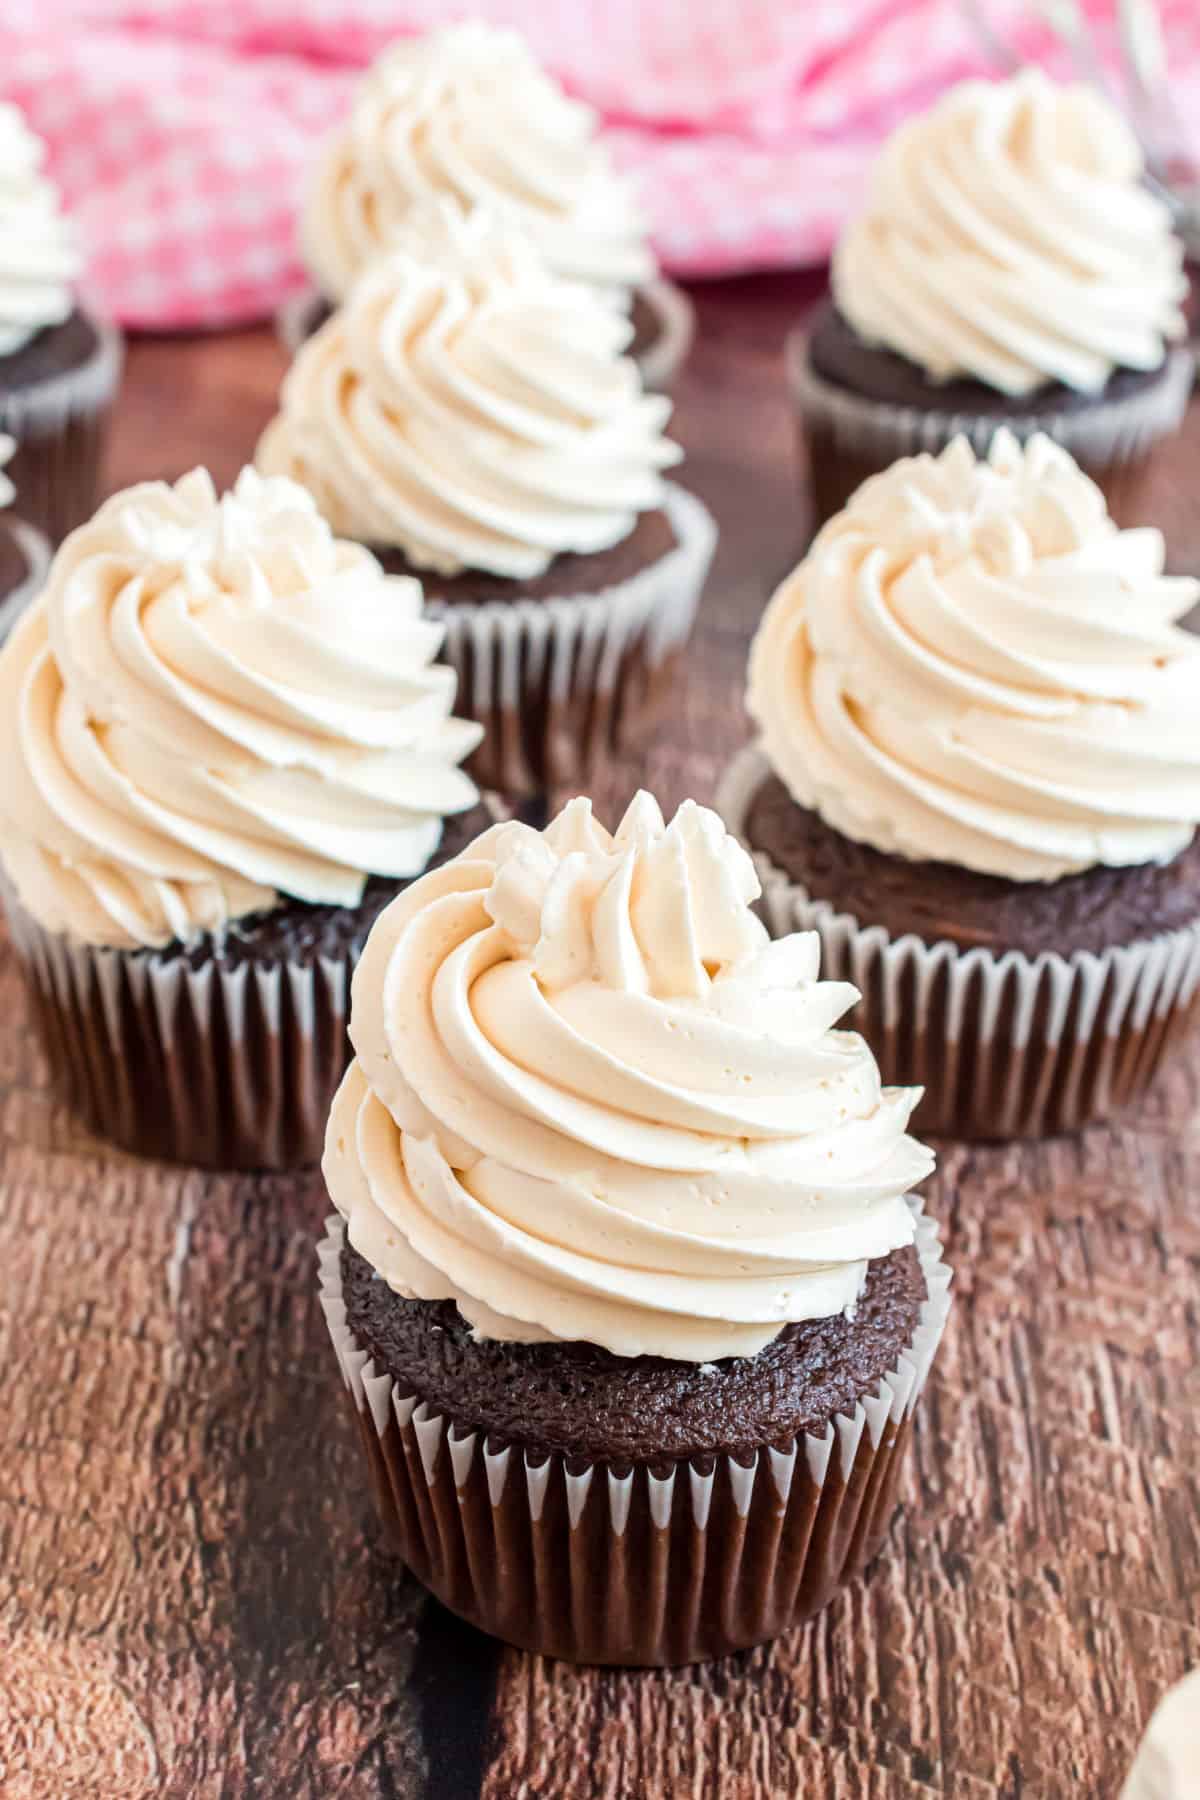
{"x":193,"y":1598}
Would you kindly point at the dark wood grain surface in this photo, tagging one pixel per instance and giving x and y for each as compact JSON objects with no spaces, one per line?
{"x":193,"y":1599}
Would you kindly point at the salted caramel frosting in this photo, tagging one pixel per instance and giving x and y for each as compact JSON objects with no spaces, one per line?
{"x":214,"y":704}
{"x":471,"y":409}
{"x":973,"y":665}
{"x":465,"y":114}
{"x":1008,"y":236}
{"x":39,"y":257}
{"x":592,"y":1101}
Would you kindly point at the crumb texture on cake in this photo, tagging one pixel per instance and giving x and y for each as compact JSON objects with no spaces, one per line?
{"x":583,"y":1401}
{"x":1090,"y":911}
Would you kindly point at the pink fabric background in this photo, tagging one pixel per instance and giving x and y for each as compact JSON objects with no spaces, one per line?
{"x":180,"y":129}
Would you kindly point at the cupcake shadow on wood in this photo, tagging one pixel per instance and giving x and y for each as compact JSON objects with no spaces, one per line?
{"x":465,"y":115}
{"x":59,"y":362}
{"x":472,"y":418}
{"x":1010,"y":269}
{"x":228,"y":747}
{"x":978,"y":779}
{"x":628,"y":1289}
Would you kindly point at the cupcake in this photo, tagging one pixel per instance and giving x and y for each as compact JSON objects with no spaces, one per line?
{"x":466,"y":114}
{"x":59,"y":363}
{"x":24,"y":553}
{"x":978,"y":778}
{"x":226,"y":749}
{"x":1010,"y":268}
{"x":627,"y":1283}
{"x":470,"y":416}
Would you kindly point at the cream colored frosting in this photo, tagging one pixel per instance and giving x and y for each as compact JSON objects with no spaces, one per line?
{"x":591,"y":1099}
{"x":466,"y":114}
{"x":39,"y":258}
{"x":472,"y":409}
{"x":1167,"y":1766}
{"x":213,"y":704}
{"x":1007,"y":236}
{"x":8,"y":492}
{"x":973,"y":665}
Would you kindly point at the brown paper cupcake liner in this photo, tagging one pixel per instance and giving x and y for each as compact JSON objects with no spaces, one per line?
{"x":559,"y":685}
{"x":60,"y":426}
{"x":219,"y":1066}
{"x":37,"y":553}
{"x":848,"y":438}
{"x":660,"y":361}
{"x":1005,"y":1046}
{"x":645,"y":1563}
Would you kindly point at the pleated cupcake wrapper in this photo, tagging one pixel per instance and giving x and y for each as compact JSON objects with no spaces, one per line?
{"x":220,"y":1067}
{"x":1005,"y":1045}
{"x":850,"y":437}
{"x":660,"y":1562}
{"x":560,"y":684}
{"x":37,"y":554}
{"x":60,"y":425}
{"x":661,"y":360}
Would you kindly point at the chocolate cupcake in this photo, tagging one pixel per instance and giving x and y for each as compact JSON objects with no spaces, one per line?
{"x":471,"y":417}
{"x":978,"y":778}
{"x":24,"y":553}
{"x":227,"y":747}
{"x":59,"y":363}
{"x":1010,"y":268}
{"x":628,"y":1287}
{"x":466,"y":115}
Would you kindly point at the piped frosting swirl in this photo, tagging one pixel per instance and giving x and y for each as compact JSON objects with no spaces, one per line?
{"x":467,"y":115}
{"x":1008,"y":236}
{"x":973,"y":665}
{"x":213,"y":704}
{"x":592,"y":1101}
{"x":39,"y":258}
{"x":470,"y":408}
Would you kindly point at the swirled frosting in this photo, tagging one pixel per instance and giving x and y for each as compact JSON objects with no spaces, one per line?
{"x":472,"y":409}
{"x":973,"y":665}
{"x":466,"y":114}
{"x":1007,"y":236}
{"x":591,"y":1100}
{"x":213,"y":704}
{"x":39,"y":259}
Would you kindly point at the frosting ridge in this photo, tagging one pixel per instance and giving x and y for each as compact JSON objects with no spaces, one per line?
{"x":214,"y":703}
{"x":466,"y":114}
{"x":592,"y":1100}
{"x":471,"y":408}
{"x":39,"y":259}
{"x":1007,"y":236}
{"x":973,"y":665}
